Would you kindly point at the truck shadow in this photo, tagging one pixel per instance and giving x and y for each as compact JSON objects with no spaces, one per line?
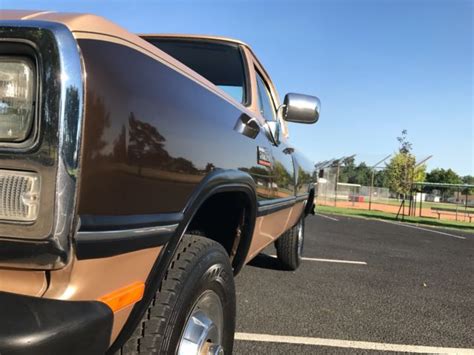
{"x":264,"y":261}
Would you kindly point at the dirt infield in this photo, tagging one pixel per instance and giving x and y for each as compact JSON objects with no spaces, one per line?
{"x":426,"y":212}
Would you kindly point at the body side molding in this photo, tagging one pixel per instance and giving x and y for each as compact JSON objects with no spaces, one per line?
{"x":272,"y":206}
{"x":104,"y":236}
{"x":119,"y":222}
{"x":101,"y":244}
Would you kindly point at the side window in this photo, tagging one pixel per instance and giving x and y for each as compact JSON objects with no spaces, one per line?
{"x":265,"y":101}
{"x":221,"y":64}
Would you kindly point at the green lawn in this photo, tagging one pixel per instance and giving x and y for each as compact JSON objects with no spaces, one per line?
{"x":425,"y":204}
{"x":395,"y":202}
{"x":465,"y":226}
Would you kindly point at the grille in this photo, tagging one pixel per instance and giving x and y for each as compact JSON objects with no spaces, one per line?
{"x":19,"y":195}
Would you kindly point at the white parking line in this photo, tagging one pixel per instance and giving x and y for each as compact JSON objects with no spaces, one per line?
{"x":323,"y":215}
{"x":336,"y":261}
{"x":332,"y":260}
{"x":351,"y":344}
{"x":423,"y":229}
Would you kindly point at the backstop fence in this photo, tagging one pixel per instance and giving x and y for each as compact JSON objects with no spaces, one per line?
{"x":439,"y":201}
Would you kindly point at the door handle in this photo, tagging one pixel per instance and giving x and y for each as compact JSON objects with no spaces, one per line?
{"x":248,"y":126}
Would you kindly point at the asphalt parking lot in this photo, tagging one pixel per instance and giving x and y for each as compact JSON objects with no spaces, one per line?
{"x":395,"y":287}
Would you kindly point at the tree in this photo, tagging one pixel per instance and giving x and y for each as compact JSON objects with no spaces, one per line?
{"x":401,"y":172}
{"x":469,"y":180}
{"x":355,"y":174}
{"x":362,"y":176}
{"x":405,"y":145}
{"x":347,"y":170}
{"x":381,"y":178}
{"x":442,"y":176}
{"x":419,"y":174}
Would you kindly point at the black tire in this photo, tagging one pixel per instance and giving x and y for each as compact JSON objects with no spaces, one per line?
{"x":198,"y":266}
{"x":289,"y":246}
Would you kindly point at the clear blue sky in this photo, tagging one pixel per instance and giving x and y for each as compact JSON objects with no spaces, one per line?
{"x":378,"y":66}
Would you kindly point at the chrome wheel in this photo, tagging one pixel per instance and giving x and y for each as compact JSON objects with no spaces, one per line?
{"x":300,"y":239}
{"x":204,"y":328}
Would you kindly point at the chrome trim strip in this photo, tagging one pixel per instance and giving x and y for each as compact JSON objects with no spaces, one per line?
{"x":301,"y":198}
{"x":70,"y":135}
{"x":121,"y":222}
{"x":271,"y":206}
{"x":283,"y":204}
{"x":126,"y":233}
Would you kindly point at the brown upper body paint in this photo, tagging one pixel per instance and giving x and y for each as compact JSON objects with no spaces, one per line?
{"x":155,"y":134}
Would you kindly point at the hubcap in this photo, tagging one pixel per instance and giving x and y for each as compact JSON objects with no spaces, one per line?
{"x":202,"y":333}
{"x":300,"y":239}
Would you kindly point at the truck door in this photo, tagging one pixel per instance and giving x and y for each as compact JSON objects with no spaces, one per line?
{"x":224,"y":64}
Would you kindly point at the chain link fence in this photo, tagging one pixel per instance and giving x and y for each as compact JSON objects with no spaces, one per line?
{"x":447,"y":203}
{"x":328,"y":191}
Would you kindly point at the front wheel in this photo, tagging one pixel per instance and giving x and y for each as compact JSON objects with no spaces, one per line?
{"x":193,"y":311}
{"x":290,"y":246}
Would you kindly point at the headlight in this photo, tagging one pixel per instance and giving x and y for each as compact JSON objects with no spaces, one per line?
{"x":17,"y":86}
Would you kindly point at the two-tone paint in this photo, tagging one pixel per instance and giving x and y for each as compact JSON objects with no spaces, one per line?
{"x":131,"y":144}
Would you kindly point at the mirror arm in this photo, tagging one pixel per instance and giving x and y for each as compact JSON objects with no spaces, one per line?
{"x":280,"y":111}
{"x":273,"y":131}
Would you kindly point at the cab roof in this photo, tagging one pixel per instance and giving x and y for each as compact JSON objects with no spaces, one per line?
{"x":77,"y":22}
{"x":193,"y":36}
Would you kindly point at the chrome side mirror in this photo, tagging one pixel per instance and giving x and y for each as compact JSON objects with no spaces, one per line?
{"x":301,"y":108}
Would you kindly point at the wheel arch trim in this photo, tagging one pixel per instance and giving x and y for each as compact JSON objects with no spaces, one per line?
{"x":218,"y":181}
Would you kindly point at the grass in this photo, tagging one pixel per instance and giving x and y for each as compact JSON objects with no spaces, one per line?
{"x":395,"y":202}
{"x":425,"y":204}
{"x":464,"y":226}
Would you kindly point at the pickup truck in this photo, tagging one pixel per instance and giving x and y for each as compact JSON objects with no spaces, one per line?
{"x":138,"y":174}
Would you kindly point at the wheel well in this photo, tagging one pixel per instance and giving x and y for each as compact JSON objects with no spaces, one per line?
{"x":226,"y":218}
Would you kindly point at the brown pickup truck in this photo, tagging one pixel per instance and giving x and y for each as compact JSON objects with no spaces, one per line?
{"x":138,"y":174}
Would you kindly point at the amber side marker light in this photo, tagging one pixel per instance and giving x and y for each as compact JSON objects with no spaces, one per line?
{"x":124,"y":296}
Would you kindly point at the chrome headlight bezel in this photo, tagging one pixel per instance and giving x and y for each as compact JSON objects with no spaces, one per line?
{"x":52,"y":150}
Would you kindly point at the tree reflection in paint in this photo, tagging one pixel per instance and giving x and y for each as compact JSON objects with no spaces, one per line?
{"x":147,"y":148}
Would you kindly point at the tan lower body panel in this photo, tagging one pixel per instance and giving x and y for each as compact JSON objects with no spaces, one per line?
{"x":268,"y":228}
{"x":93,"y":278}
{"x":25,"y":282}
